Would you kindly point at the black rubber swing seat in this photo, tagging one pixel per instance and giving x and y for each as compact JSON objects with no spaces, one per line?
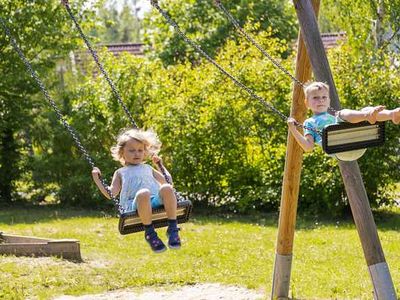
{"x":130,"y":222}
{"x":344,"y":137}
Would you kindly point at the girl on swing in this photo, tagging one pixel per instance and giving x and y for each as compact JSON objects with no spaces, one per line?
{"x":142,"y":187}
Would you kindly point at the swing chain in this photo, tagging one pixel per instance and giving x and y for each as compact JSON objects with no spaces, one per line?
{"x":154,"y":3}
{"x":257,"y":45}
{"x":99,"y":64}
{"x":59,"y":114}
{"x":235,"y":22}
{"x":168,"y":179}
{"x":110,"y":82}
{"x":198,"y":48}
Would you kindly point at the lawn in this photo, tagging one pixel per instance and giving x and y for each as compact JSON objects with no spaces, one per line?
{"x":228,"y":249}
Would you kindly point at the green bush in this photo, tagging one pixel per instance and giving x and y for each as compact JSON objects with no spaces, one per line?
{"x":223,"y":148}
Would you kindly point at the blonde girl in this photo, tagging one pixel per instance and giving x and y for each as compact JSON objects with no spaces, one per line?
{"x":140,"y":186}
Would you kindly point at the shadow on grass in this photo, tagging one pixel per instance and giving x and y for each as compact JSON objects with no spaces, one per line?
{"x":37,"y":214}
{"x":386,"y":219}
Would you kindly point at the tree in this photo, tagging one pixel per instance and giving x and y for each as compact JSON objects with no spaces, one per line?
{"x":130,"y":23}
{"x":42,"y":32}
{"x":203,"y":22}
{"x":109,"y":27}
{"x":118,"y":25}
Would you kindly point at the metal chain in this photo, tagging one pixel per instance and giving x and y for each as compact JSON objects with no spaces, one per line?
{"x":58,"y":112}
{"x":99,"y":64}
{"x":257,"y":45}
{"x":178,"y":195}
{"x":154,"y":3}
{"x":235,"y":22}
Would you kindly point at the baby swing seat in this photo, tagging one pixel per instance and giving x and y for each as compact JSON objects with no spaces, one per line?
{"x":348,"y":141}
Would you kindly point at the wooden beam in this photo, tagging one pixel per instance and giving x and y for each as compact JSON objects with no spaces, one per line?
{"x":291,"y":179}
{"x":373,"y":252}
{"x":35,"y":247}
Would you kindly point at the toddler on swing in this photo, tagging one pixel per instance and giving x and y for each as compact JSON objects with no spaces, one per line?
{"x":318,"y":101}
{"x":142,"y":187}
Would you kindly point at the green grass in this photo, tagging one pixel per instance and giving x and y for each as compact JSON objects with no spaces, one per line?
{"x":328,"y":260}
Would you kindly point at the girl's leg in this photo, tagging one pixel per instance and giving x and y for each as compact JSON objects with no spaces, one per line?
{"x":145,"y":212}
{"x":369,"y":114}
{"x":389,"y":115}
{"x":144,"y":206}
{"x":169,"y":200}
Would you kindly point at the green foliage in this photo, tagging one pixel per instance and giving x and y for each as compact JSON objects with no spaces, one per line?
{"x":225,"y":149}
{"x":118,"y":26}
{"x":222,"y":147}
{"x":18,"y":105}
{"x":364,"y":27}
{"x":204,"y":23}
{"x":322,"y":190}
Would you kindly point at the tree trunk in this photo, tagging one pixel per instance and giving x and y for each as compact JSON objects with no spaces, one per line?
{"x":379,"y":28}
{"x":8,"y":170}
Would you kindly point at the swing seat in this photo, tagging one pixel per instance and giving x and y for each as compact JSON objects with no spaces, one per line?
{"x":130,"y":222}
{"x":348,"y":141}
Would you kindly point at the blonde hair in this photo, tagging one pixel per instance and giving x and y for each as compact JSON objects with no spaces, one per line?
{"x":149,"y":139}
{"x":314,"y":86}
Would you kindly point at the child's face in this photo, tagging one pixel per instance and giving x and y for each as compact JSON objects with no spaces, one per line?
{"x":133,"y":152}
{"x":318,"y":101}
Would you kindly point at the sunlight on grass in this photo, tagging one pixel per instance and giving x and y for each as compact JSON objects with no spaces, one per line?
{"x":328,"y":259}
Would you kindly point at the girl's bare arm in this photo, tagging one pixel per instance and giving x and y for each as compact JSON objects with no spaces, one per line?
{"x":115,"y":186}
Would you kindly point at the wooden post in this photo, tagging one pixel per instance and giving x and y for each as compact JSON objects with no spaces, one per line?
{"x":379,"y":271}
{"x":291,"y":179}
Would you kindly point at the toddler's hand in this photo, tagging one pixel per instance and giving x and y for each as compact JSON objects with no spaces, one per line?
{"x":96,"y":173}
{"x":291,"y":122}
{"x":156,"y":159}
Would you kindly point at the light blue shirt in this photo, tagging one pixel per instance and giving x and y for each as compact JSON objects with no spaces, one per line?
{"x":134,"y":178}
{"x":319,"y":122}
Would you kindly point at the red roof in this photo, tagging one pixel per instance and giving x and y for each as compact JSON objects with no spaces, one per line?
{"x":132,"y":48}
{"x":80,"y":57}
{"x":330,"y":40}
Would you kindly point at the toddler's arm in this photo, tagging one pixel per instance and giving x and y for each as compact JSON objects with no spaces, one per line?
{"x":158,"y":175}
{"x":115,"y":186}
{"x":305,"y":142}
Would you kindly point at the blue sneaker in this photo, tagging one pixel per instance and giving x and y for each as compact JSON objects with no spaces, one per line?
{"x":174,"y":242}
{"x":155,"y":243}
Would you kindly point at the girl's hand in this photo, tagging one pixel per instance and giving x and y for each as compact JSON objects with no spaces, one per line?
{"x":156,"y":159}
{"x":96,"y":173}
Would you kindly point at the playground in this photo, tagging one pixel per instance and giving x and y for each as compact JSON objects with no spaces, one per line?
{"x":206,"y":155}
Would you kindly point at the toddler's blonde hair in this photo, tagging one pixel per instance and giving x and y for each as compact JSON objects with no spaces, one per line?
{"x":149,"y":138}
{"x":314,"y":86}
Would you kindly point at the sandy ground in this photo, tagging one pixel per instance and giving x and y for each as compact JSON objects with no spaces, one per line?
{"x":193,"y":292}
